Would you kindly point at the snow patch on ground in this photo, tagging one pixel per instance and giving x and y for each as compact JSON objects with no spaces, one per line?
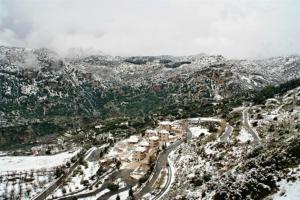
{"x":19,"y":163}
{"x":244,"y":136}
{"x":196,"y":131}
{"x":209,"y":148}
{"x":75,"y":182}
{"x":29,"y":89}
{"x":291,"y":191}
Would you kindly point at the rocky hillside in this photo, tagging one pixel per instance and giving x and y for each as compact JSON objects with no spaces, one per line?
{"x":43,"y":93}
{"x":257,"y":156}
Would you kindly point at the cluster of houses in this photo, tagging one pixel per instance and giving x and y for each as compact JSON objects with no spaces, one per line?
{"x":137,"y":151}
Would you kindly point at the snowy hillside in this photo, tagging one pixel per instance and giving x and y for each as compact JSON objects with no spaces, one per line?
{"x":259,"y":157}
{"x":38,"y":86}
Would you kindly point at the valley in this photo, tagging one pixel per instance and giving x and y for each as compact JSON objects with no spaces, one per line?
{"x":162,"y":127}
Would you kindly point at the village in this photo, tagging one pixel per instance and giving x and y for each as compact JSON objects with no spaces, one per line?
{"x":143,"y":165}
{"x":139,"y":152}
{"x":125,"y":163}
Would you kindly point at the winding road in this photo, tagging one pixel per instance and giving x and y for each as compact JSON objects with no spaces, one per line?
{"x":58,"y":182}
{"x":166,"y":186}
{"x":161,"y":163}
{"x":248,"y":127}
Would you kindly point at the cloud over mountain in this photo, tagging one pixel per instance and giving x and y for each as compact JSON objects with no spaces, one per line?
{"x":234,"y":28}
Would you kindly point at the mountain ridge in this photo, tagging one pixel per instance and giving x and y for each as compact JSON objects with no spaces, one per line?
{"x":38,"y":86}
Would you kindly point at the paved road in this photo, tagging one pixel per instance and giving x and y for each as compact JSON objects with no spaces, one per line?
{"x":248,"y":127}
{"x":57,"y":183}
{"x":78,"y":193}
{"x":167,"y":185}
{"x":228,"y":130}
{"x":161,"y":163}
{"x":170,"y":173}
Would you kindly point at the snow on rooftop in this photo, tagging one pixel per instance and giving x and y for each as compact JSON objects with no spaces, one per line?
{"x":151,"y":131}
{"x":165,"y":123}
{"x":164,"y":132}
{"x":140,"y":149}
{"x":154,"y":138}
{"x":144,"y":143}
{"x":19,"y":163}
{"x":133,"y":139}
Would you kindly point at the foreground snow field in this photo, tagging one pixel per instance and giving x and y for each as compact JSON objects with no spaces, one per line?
{"x":288,"y":191}
{"x":20,"y":163}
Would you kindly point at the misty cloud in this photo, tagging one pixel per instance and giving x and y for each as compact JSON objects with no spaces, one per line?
{"x":234,"y":28}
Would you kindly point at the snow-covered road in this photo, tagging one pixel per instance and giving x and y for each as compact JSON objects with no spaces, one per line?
{"x":248,"y":127}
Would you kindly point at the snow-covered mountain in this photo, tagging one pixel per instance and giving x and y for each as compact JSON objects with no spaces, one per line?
{"x":38,"y":87}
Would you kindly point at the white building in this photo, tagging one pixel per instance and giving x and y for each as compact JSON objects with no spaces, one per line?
{"x":150,"y":133}
{"x":154,"y":141}
{"x":164,"y":135}
{"x":139,"y":153}
{"x":132,"y":140}
{"x":167,"y":125}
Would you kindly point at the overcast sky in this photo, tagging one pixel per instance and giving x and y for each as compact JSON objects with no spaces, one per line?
{"x":233,"y":28}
